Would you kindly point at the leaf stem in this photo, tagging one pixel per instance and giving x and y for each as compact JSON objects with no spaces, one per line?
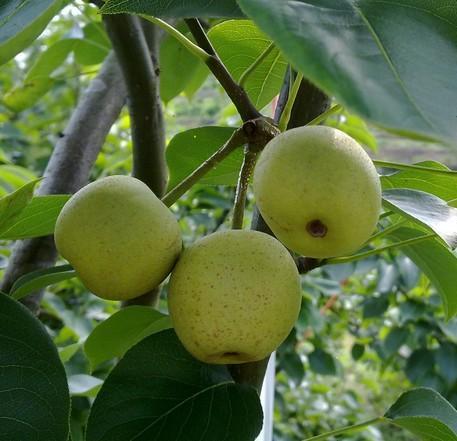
{"x":325,"y":115}
{"x":250,"y":158}
{"x":236,"y":140}
{"x":285,"y":117}
{"x":248,"y":72}
{"x":399,"y":166}
{"x":387,"y":230}
{"x":346,"y":429}
{"x":188,"y":44}
{"x":360,"y":256}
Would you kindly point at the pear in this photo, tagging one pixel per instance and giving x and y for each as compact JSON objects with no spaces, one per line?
{"x":318,"y":191}
{"x":234,"y":296}
{"x":120,"y":238}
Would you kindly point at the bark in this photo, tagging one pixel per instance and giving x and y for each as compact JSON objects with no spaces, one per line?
{"x":70,"y":164}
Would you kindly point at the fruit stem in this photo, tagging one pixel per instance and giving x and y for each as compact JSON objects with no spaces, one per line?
{"x":348,"y":429}
{"x":236,"y":140}
{"x":257,"y":62}
{"x":325,"y":115}
{"x":399,"y":166}
{"x":188,"y":44}
{"x":250,"y":158}
{"x":360,"y":256}
{"x":285,"y":117}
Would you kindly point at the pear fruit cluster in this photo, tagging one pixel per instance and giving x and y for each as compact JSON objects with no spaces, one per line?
{"x":235,"y":295}
{"x":318,"y":191}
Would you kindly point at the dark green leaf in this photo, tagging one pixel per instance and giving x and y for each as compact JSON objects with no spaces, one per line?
{"x":116,"y":335}
{"x":322,"y":362}
{"x":425,"y":209}
{"x":357,"y":351}
{"x":158,"y":391}
{"x":420,"y":363}
{"x":21,"y":22}
{"x":442,"y":185}
{"x":425,"y":413}
{"x":340,"y":44}
{"x":40,"y":279}
{"x":437,"y":262}
{"x":375,"y":306}
{"x":187,"y":150}
{"x":394,"y":340}
{"x":34,"y":398}
{"x":12,"y":204}
{"x":446,"y":360}
{"x":293,"y":366}
{"x":239,"y":43}
{"x":37,"y":219}
{"x":174,"y":8}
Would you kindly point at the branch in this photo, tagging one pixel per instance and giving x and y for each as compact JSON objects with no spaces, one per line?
{"x":69,"y":166}
{"x":237,"y":94}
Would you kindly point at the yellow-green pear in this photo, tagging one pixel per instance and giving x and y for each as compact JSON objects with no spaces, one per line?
{"x":120,"y":238}
{"x":234,"y":296}
{"x":318,"y":191}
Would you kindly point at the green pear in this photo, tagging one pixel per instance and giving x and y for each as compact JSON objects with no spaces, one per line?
{"x":120,"y":238}
{"x":234,"y":296}
{"x":318,"y":191}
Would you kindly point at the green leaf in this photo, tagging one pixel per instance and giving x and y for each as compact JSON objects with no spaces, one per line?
{"x":424,"y":209}
{"x":442,"y":185}
{"x":12,"y":204}
{"x":38,"y":80}
{"x":187,"y":150}
{"x":174,"y":8}
{"x":293,"y":366}
{"x":37,"y":219}
{"x":437,"y":262}
{"x":394,"y":340}
{"x":177,"y":68}
{"x":351,"y":49}
{"x":13,"y":176}
{"x":357,"y":351}
{"x":124,"y":329}
{"x":159,"y":391}
{"x":94,"y":47}
{"x":322,"y":362}
{"x":196,"y":81}
{"x":239,"y":43}
{"x":425,"y":413}
{"x":84,"y":385}
{"x":375,"y":306}
{"x":67,"y":352}
{"x":420,"y":364}
{"x":39,"y":279}
{"x":21,"y":22}
{"x":34,"y":398}
{"x":446,"y":360}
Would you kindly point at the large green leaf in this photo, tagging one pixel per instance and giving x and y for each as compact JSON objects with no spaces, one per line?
{"x":392,"y":62}
{"x":175,"y":8}
{"x":158,"y":391}
{"x":116,"y":335}
{"x":94,"y":47}
{"x":425,"y":413}
{"x":187,"y":150}
{"x":239,"y":43}
{"x":437,"y":262}
{"x":426,"y":209}
{"x":37,"y":219}
{"x":21,"y":22}
{"x":34,"y":398}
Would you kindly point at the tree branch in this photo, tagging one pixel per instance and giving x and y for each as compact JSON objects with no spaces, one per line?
{"x":69,"y":166}
{"x":237,"y":94}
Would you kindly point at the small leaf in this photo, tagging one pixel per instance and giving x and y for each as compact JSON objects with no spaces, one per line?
{"x":84,"y":385}
{"x":67,"y":352}
{"x":94,"y":47}
{"x":187,"y":150}
{"x":158,"y":391}
{"x":239,"y":43}
{"x":446,"y":360}
{"x":12,"y":204}
{"x":174,"y":8}
{"x":322,"y":362}
{"x":419,"y":365}
{"x":37,"y":219}
{"x":34,"y":398}
{"x":357,"y":351}
{"x":442,"y":185}
{"x":116,"y":335}
{"x":293,"y":366}
{"x":394,"y":340}
{"x":22,"y":22}
{"x":375,"y":306}
{"x":424,"y":209}
{"x":425,"y":413}
{"x":39,"y":279}
{"x":339,"y":44}
{"x":437,"y":262}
